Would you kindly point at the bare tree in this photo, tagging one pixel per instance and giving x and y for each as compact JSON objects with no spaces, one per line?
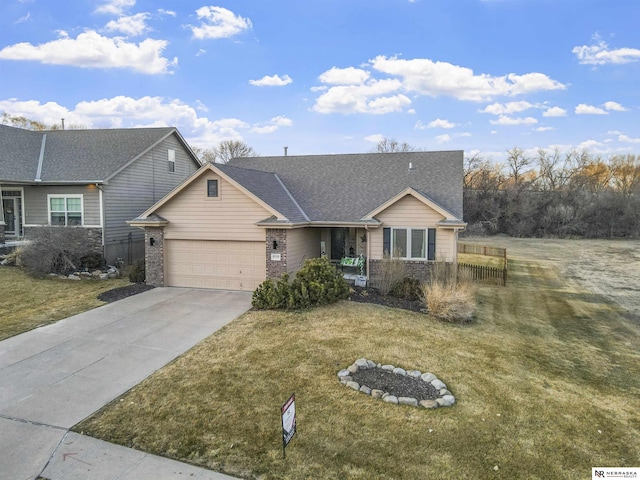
{"x":228,"y":149}
{"x":391,"y":145}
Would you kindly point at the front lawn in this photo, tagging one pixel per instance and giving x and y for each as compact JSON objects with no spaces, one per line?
{"x":29,"y":302}
{"x":547,"y":382}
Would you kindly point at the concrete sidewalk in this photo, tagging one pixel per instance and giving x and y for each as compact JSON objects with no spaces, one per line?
{"x":55,"y":376}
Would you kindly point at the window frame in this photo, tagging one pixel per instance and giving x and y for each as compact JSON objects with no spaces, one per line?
{"x":66,"y":212}
{"x":217,"y":180}
{"x":171,"y":157}
{"x":429,"y":245}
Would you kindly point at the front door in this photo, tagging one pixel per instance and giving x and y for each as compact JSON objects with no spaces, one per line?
{"x":338,"y":242}
{"x":12,"y":208}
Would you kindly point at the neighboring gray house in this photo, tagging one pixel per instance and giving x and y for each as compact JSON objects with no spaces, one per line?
{"x":231,"y":226}
{"x":91,"y":179}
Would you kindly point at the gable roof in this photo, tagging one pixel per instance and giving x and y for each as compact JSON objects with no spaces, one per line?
{"x":75,"y":156}
{"x":348,"y":187}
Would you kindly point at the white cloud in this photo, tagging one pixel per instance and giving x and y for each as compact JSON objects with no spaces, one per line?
{"x":201,"y":52}
{"x":507,"y":108}
{"x":171,"y":13}
{"x":272,"y":81}
{"x":466,"y":134}
{"x":555,"y":112}
{"x":614,"y":106}
{"x":599,"y":53}
{"x":627,"y":139}
{"x":92,"y":50}
{"x":375,"y":138}
{"x":132,"y":25}
{"x":614,"y":132}
{"x":427,"y":77}
{"x":115,"y":7}
{"x":272,"y":125}
{"x":443,"y":138}
{"x":127,"y":112}
{"x":543,"y":129}
{"x":441,"y":123}
{"x":584,"y":109}
{"x":589,"y":145}
{"x":218,"y":22}
{"x":23,"y":19}
{"x":369,"y":98}
{"x":344,"y":76}
{"x":504,"y":120}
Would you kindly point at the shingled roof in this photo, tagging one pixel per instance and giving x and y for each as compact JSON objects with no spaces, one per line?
{"x":72,"y":156}
{"x":345,"y":188}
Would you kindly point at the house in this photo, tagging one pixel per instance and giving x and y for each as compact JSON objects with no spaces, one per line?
{"x":232,"y":226}
{"x":90,"y":179}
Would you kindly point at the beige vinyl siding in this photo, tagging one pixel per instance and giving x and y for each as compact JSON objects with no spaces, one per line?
{"x":37,"y":208}
{"x":232,"y":216}
{"x":411,"y":212}
{"x":137,"y":188}
{"x":302,"y":243}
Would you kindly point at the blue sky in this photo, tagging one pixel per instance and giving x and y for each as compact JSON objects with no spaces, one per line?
{"x":333,"y":76}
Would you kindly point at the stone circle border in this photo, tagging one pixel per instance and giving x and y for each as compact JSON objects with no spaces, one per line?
{"x":445,"y":398}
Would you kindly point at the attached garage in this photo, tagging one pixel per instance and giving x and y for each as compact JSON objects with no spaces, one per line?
{"x":224,"y":264}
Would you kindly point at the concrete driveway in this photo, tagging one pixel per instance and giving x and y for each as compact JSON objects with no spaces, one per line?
{"x":55,"y":376}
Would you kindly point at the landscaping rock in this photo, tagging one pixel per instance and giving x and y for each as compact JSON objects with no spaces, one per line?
{"x":366,"y":390}
{"x":400,"y":371}
{"x":390,"y":399}
{"x":428,"y":377}
{"x":85,"y":274}
{"x":444,"y":391}
{"x":414,"y":373}
{"x":408,"y":401}
{"x":346,"y":379}
{"x":103,"y":276}
{"x":429,"y":403}
{"x":377,"y":393}
{"x":362,"y":363}
{"x":387,"y":367}
{"x":354,"y":385}
{"x":446,"y":401}
{"x":73,"y":277}
{"x":353,"y":368}
{"x":438,"y":384}
{"x":343,"y":373}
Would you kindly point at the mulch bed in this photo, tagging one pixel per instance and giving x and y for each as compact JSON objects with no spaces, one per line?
{"x":123,"y":292}
{"x":371,"y":295}
{"x":394,"y":384}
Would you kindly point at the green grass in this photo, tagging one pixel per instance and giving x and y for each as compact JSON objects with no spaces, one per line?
{"x":29,"y":302}
{"x":547,"y":379}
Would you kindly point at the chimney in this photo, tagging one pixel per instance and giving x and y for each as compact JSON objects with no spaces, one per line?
{"x":285,"y":151}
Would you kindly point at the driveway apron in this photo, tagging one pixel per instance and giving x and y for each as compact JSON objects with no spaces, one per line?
{"x":55,"y":376}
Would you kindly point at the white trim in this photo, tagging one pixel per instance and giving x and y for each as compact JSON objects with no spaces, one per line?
{"x":102,"y":220}
{"x":409,"y":245}
{"x":65,"y":196}
{"x":22,"y":212}
{"x":171,"y":157}
{"x":418,"y":196}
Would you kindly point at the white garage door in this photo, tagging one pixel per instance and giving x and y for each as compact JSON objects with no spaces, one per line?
{"x":215,"y":264}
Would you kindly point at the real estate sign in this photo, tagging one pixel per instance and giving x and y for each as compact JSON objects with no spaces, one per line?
{"x":288,"y":414}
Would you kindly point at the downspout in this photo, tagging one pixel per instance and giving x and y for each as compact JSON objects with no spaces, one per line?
{"x":366,"y":229}
{"x":1,"y":209}
{"x":102,"y":219}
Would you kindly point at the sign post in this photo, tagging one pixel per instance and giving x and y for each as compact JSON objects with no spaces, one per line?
{"x":288,"y":414}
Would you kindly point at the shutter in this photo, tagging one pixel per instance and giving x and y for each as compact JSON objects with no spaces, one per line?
{"x":386,"y":242}
{"x":431,"y":245}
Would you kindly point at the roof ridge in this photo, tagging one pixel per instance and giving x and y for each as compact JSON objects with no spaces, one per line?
{"x":295,"y":202}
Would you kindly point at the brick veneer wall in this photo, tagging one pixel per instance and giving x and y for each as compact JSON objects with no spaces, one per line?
{"x":154,"y":256}
{"x":94,"y":236}
{"x":274,"y":268}
{"x":414,"y":269}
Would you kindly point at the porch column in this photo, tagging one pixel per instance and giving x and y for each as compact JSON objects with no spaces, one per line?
{"x":2,"y":224}
{"x":154,"y":256}
{"x":276,"y":252}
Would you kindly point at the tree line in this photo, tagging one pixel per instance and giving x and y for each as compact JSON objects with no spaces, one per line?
{"x":553,"y":193}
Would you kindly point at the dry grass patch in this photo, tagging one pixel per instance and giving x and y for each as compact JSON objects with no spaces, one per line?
{"x":547,"y":383}
{"x":482,"y":260}
{"x":29,"y":302}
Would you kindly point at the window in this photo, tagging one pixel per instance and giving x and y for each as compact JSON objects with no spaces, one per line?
{"x":212,"y":188}
{"x":171,"y":155}
{"x":410,"y":243}
{"x":65,"y":210}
